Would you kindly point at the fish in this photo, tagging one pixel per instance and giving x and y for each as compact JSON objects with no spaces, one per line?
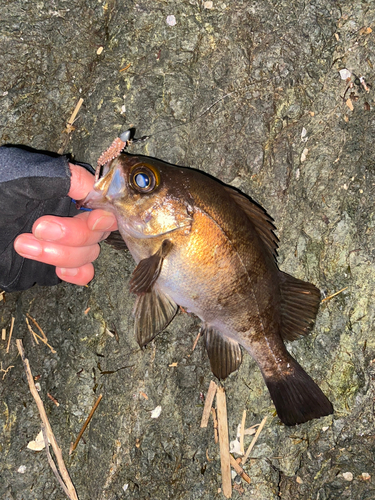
{"x":205,"y":247}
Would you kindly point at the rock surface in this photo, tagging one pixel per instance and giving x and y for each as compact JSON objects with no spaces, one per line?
{"x":251,"y":93}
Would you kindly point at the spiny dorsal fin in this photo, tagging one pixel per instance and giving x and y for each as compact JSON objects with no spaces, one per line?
{"x":153,"y":311}
{"x":299,"y":306}
{"x":262,"y":222}
{"x":148,"y":270}
{"x":224,"y":353}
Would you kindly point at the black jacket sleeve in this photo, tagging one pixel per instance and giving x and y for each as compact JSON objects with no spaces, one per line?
{"x":32,"y":184}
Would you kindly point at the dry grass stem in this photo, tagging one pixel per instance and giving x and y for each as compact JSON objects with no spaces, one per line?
{"x":71,"y":492}
{"x":73,"y":117}
{"x":52,"y":463}
{"x":251,"y":430}
{"x":237,"y":467}
{"x":36,"y":337}
{"x":37,"y":325}
{"x":3,"y":334}
{"x":2,"y":296}
{"x":333,"y":295}
{"x":74,"y":446}
{"x":126,"y":67}
{"x":196,"y":340}
{"x":214,"y":418}
{"x":222,"y":419}
{"x":10,"y":333}
{"x":208,"y":403}
{"x":53,"y":399}
{"x":6,"y":370}
{"x":255,"y":438}
{"x":242,"y":432}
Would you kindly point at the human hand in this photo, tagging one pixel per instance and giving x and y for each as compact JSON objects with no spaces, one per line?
{"x":69,"y":243}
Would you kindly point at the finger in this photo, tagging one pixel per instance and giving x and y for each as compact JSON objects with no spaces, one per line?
{"x":76,"y":275}
{"x":74,"y":231}
{"x":54,"y":253}
{"x":101,"y":220}
{"x":81,"y":182}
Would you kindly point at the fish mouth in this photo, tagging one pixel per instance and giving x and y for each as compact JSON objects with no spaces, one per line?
{"x":94,"y":199}
{"x":110,"y":184}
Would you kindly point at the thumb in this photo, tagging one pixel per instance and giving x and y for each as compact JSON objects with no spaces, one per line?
{"x":81,"y":182}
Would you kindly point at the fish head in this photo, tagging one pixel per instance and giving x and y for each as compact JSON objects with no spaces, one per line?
{"x":148,"y":197}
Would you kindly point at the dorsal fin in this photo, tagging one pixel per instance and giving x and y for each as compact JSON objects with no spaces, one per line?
{"x":299,"y":306}
{"x":262,"y":222}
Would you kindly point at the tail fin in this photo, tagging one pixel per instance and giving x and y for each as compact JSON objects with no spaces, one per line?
{"x":296,"y":396}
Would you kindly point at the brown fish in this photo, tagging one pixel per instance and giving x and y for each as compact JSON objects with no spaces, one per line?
{"x":206,"y":247}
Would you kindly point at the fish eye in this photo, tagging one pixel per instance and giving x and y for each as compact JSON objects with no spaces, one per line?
{"x":144,"y":178}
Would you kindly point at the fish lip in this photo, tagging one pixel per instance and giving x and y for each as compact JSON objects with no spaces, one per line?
{"x":94,"y":199}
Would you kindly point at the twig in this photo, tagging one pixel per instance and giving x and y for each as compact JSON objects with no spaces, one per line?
{"x":126,"y":67}
{"x":236,"y":466}
{"x":36,"y":337}
{"x":255,"y":438}
{"x":10,"y":334}
{"x":242,"y":434}
{"x":214,"y":418}
{"x":53,"y":399}
{"x":3,"y":334}
{"x":5,"y":371}
{"x":196,"y":340}
{"x":69,"y":126}
{"x":71,"y":120}
{"x":208,"y":403}
{"x":42,"y":412}
{"x":333,"y":295}
{"x":74,"y":446}
{"x":37,"y":325}
{"x":52,"y":463}
{"x":224,"y":442}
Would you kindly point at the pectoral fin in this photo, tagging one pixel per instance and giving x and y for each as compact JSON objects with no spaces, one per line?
{"x":148,"y":270}
{"x":153,"y":311}
{"x":224,"y":353}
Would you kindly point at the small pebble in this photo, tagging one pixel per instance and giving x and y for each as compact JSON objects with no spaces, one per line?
{"x":21,"y":469}
{"x":208,"y":5}
{"x":344,"y":74}
{"x":171,"y":20}
{"x":348,"y":476}
{"x":156,"y":412}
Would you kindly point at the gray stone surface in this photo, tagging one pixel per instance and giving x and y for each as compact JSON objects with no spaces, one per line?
{"x":230,"y":90}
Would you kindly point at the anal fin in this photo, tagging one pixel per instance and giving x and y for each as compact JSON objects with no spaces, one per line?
{"x":224,"y":353}
{"x":153,"y":311}
{"x":299,"y":306}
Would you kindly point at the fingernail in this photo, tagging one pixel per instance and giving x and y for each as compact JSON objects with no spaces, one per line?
{"x":103,"y":223}
{"x":48,"y":231}
{"x":28,"y":250}
{"x":68,"y":271}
